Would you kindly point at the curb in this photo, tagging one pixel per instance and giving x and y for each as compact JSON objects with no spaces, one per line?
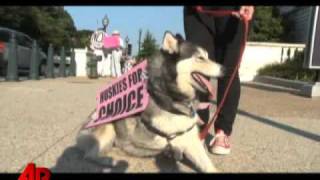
{"x":293,"y":84}
{"x":299,"y":87}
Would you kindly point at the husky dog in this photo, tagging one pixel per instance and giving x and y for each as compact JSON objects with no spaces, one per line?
{"x":169,"y":122}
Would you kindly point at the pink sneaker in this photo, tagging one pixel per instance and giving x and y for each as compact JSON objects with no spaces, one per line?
{"x":220,"y":143}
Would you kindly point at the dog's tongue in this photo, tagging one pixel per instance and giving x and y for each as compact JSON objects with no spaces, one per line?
{"x":208,"y":85}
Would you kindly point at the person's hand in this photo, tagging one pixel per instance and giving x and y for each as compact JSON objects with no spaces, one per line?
{"x":246,"y":12}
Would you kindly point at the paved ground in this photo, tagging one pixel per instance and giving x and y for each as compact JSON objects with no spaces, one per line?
{"x":275,"y":131}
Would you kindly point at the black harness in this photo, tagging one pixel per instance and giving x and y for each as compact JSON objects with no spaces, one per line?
{"x":162,"y":134}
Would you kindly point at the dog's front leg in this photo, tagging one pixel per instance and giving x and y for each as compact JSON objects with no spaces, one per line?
{"x":190,"y":145}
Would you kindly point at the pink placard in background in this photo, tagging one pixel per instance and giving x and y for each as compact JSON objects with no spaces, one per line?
{"x":111,"y":42}
{"x":125,"y":96}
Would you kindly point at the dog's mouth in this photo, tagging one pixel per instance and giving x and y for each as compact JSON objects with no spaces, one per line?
{"x":202,"y":80}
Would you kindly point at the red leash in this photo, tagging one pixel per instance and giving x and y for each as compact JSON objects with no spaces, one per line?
{"x":221,"y":13}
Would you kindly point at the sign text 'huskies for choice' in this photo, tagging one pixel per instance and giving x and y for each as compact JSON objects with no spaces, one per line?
{"x":125,"y":96}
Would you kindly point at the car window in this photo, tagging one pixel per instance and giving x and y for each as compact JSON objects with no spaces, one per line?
{"x":28,"y":41}
{"x":23,"y":40}
{"x":19,"y":39}
{"x":4,"y":36}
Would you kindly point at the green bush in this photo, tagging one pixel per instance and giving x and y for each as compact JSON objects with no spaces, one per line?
{"x":290,"y":69}
{"x":149,"y":46}
{"x":267,"y":25}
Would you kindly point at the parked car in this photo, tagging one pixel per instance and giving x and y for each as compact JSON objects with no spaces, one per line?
{"x":24,"y":49}
{"x":56,"y":60}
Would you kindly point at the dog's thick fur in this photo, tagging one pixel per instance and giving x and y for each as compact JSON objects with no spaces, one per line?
{"x":168,"y":123}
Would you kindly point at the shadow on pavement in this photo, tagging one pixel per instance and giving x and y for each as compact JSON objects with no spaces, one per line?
{"x":290,"y":129}
{"x":71,"y":161}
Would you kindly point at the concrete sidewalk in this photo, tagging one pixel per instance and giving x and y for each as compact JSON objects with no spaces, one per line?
{"x":275,"y":131}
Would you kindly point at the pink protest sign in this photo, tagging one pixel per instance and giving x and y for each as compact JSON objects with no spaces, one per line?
{"x":111,"y":42}
{"x":125,"y":96}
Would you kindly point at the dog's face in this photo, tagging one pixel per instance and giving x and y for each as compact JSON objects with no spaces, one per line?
{"x":192,"y":64}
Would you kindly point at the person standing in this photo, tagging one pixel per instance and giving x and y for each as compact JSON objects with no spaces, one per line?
{"x":116,"y":56}
{"x":222,"y":38}
{"x":96,"y":45}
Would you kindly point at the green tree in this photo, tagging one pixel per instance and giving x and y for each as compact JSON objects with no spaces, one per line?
{"x":56,"y":26}
{"x":149,"y":46}
{"x":83,"y":38}
{"x":267,"y":25}
{"x":46,"y":24}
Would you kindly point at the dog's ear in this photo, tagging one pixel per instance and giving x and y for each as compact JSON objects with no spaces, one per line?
{"x":179,"y":37}
{"x":170,"y":43}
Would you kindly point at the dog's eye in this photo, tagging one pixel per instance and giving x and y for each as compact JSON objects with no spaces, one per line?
{"x":201,"y":58}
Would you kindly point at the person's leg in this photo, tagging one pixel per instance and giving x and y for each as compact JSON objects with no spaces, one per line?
{"x":118,"y":63}
{"x":229,"y":41}
{"x":113,"y":64}
{"x":100,"y":64}
{"x":110,"y":64}
{"x":107,"y":61}
{"x":197,"y":32}
{"x":104,"y":65}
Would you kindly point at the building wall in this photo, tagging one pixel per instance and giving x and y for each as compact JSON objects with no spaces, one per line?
{"x":300,"y":17}
{"x":81,"y":62}
{"x":259,"y":54}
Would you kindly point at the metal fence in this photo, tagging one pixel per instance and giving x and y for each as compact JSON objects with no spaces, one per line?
{"x":51,"y":69}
